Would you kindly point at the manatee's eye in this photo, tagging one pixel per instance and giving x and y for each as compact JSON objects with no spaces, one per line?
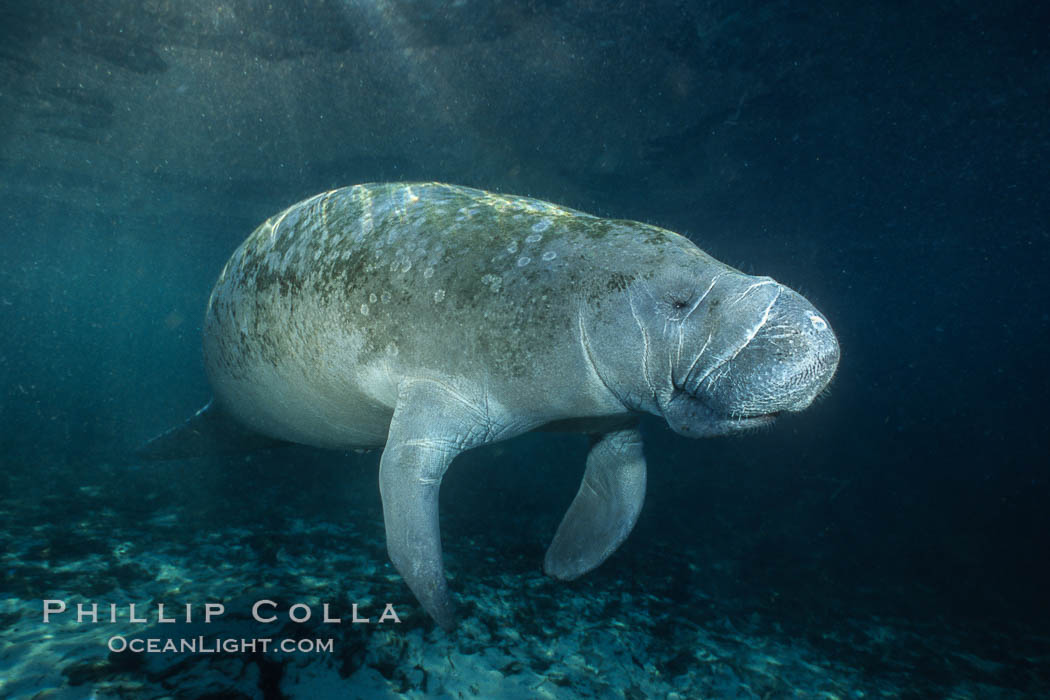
{"x":678,"y":300}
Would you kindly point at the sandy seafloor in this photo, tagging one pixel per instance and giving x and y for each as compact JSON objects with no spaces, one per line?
{"x":629,"y":630}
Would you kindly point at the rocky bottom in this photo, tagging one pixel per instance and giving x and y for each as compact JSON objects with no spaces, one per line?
{"x":639,"y":628}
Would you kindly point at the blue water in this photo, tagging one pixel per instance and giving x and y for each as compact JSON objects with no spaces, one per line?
{"x":889,"y":162}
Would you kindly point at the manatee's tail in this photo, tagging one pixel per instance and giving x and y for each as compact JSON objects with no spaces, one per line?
{"x":208,"y":432}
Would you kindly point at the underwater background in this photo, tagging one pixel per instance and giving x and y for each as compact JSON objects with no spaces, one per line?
{"x":889,"y":160}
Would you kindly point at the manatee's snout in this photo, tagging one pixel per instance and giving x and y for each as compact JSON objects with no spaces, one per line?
{"x":790,"y":359}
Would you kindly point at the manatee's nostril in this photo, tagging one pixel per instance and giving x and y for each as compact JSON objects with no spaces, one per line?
{"x":818,"y":323}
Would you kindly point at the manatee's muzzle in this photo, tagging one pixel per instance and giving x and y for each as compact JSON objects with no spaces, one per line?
{"x":786,"y":364}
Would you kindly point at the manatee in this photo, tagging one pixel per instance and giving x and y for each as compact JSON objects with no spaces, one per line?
{"x":428,"y":319}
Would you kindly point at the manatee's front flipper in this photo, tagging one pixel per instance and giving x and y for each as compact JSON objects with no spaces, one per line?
{"x":431,"y":425}
{"x":605,"y":508}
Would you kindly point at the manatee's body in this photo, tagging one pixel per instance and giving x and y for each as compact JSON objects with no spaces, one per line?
{"x":431,"y":319}
{"x":327,"y":309}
